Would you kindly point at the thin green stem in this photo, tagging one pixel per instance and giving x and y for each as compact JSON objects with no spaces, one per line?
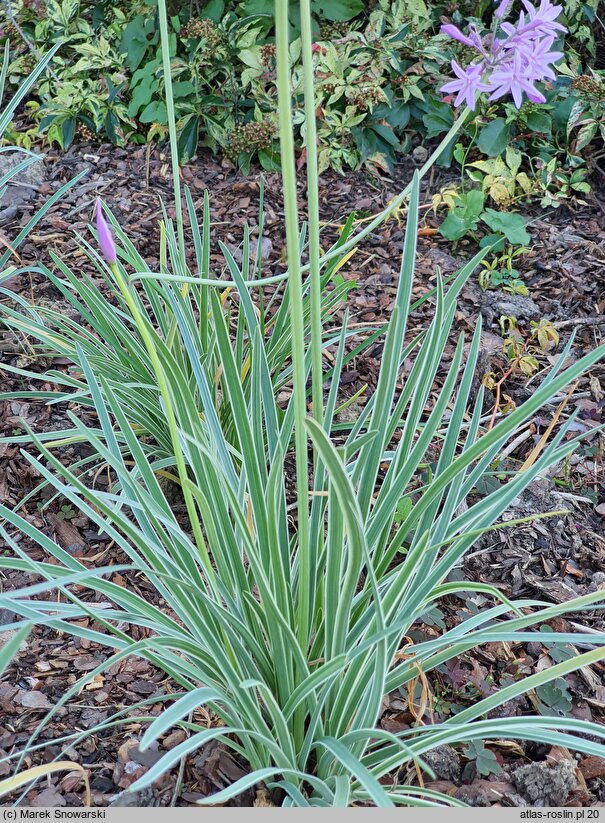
{"x":336,"y":251}
{"x":397,"y":201}
{"x":286,"y":140}
{"x":313,"y":208}
{"x":168,"y":411}
{"x":174,"y":151}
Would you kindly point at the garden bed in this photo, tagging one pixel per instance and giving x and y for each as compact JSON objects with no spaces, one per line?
{"x":550,"y":560}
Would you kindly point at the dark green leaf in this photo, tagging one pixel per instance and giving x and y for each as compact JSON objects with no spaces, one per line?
{"x":69,"y":131}
{"x":214,"y":10}
{"x":464,"y":217}
{"x":386,"y":134}
{"x":485,"y":760}
{"x":188,"y":139}
{"x":472,"y":203}
{"x":141,"y":96}
{"x":155,"y":112}
{"x":491,"y":239}
{"x":269,"y":160}
{"x":135,"y":42}
{"x":243,"y":162}
{"x":456,"y":225}
{"x":493,"y":138}
{"x":511,"y":225}
{"x":404,"y":507}
{"x":366,"y":140}
{"x":337,"y":10}
{"x":554,"y":697}
{"x":182,"y":89}
{"x":111,"y":126}
{"x":438,"y":118}
{"x":539,"y":121}
{"x":397,"y":115}
{"x":433,"y":617}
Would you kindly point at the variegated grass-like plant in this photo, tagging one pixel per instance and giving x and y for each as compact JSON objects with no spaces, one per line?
{"x":12,"y":642}
{"x":8,"y":270}
{"x":113,"y":342}
{"x":289,"y":627}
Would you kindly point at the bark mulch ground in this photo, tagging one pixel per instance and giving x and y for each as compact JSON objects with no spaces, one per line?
{"x":551,"y":560}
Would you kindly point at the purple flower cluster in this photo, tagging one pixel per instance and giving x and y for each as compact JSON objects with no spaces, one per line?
{"x":511,"y":64}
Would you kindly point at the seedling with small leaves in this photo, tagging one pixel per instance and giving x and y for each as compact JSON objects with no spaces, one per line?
{"x":521,"y":352}
{"x":499,"y":271}
{"x":483,"y":758}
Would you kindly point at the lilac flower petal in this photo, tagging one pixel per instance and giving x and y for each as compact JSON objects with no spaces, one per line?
{"x":106,"y":244}
{"x":498,"y":93}
{"x":451,"y":87}
{"x":468,"y":84}
{"x":531,"y":91}
{"x":511,"y":65}
{"x":535,"y":96}
{"x":509,"y":28}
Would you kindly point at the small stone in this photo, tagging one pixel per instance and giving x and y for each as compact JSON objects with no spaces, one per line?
{"x":444,"y":762}
{"x":174,"y":739}
{"x":35,"y":700}
{"x":33,"y":175}
{"x":49,"y":798}
{"x":146,"y":797}
{"x":598,"y":581}
{"x":546,"y":784}
{"x":7,"y":617}
{"x":420,"y":155}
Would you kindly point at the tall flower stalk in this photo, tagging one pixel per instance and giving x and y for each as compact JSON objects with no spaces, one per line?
{"x":108,"y":250}
{"x":174,"y":154}
{"x":286,"y":140}
{"x":312,"y":207}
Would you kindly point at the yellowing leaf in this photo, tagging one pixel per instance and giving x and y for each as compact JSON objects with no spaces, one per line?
{"x":513,"y":159}
{"x":499,"y":192}
{"x":495,"y":166}
{"x":21,"y":779}
{"x":344,"y":259}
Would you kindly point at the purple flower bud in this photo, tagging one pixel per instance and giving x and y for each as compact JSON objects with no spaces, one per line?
{"x":502,"y":9}
{"x":455,"y":33}
{"x":106,"y":244}
{"x":475,"y":37}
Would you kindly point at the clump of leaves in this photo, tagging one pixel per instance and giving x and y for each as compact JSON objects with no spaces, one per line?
{"x":466,"y":211}
{"x":521,"y":352}
{"x":502,"y":178}
{"x":499,"y":272}
{"x":295,"y":673}
{"x":587,"y":116}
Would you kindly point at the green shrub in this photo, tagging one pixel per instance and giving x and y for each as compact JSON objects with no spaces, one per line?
{"x":378,"y":72}
{"x":287,"y":621}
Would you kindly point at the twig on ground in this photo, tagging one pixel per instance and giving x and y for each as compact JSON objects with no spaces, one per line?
{"x":535,"y":453}
{"x":579,"y":321}
{"x":179,"y":777}
{"x":525,"y":435}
